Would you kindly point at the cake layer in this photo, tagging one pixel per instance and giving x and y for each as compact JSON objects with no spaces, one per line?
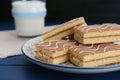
{"x":54,"y":45}
{"x":96,"y":40}
{"x":50,"y":54}
{"x":60,"y":35}
{"x":63,"y":29}
{"x":101,"y":62}
{"x":97,"y":30}
{"x":98,"y":56}
{"x":57,"y":60}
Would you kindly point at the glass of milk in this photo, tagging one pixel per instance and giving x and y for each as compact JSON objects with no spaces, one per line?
{"x":29,"y":17}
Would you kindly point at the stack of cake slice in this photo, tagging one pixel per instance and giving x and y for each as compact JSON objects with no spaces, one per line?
{"x":53,"y":49}
{"x":95,"y":48}
{"x":91,"y":46}
{"x":63,"y":30}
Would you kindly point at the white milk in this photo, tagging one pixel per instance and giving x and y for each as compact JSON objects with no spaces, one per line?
{"x":29,"y":17}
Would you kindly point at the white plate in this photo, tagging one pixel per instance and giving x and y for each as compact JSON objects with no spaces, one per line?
{"x":28,"y":49}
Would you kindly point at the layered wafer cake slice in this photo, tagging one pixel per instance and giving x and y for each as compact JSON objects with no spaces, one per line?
{"x":95,"y":55}
{"x":54,"y":51}
{"x":95,"y":34}
{"x":63,"y":30}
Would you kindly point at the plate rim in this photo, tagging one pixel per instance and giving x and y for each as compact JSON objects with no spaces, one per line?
{"x":63,"y":66}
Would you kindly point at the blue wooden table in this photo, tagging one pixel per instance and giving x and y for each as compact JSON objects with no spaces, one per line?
{"x":19,"y":68}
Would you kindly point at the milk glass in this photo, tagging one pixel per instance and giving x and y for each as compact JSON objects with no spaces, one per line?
{"x":29,"y":16}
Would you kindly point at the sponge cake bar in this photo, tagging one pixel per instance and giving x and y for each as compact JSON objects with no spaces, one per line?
{"x":63,"y":30}
{"x":54,"y":51}
{"x":95,"y":34}
{"x":95,"y":55}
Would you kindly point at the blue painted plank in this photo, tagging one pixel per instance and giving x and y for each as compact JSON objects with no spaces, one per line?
{"x":39,"y":73}
{"x":15,"y":60}
{"x":19,"y":68}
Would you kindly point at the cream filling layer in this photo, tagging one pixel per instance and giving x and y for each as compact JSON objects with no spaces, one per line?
{"x":97,"y":34}
{"x":97,"y":56}
{"x":57,"y":60}
{"x":97,"y":39}
{"x":92,"y":60}
{"x":48,"y":54}
{"x":101,"y":62}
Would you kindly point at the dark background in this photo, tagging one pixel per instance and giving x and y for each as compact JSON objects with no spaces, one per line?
{"x":63,"y":10}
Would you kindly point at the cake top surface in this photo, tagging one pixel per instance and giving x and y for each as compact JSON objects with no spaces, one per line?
{"x":98,"y":28}
{"x":94,"y":48}
{"x":56,"y":45}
